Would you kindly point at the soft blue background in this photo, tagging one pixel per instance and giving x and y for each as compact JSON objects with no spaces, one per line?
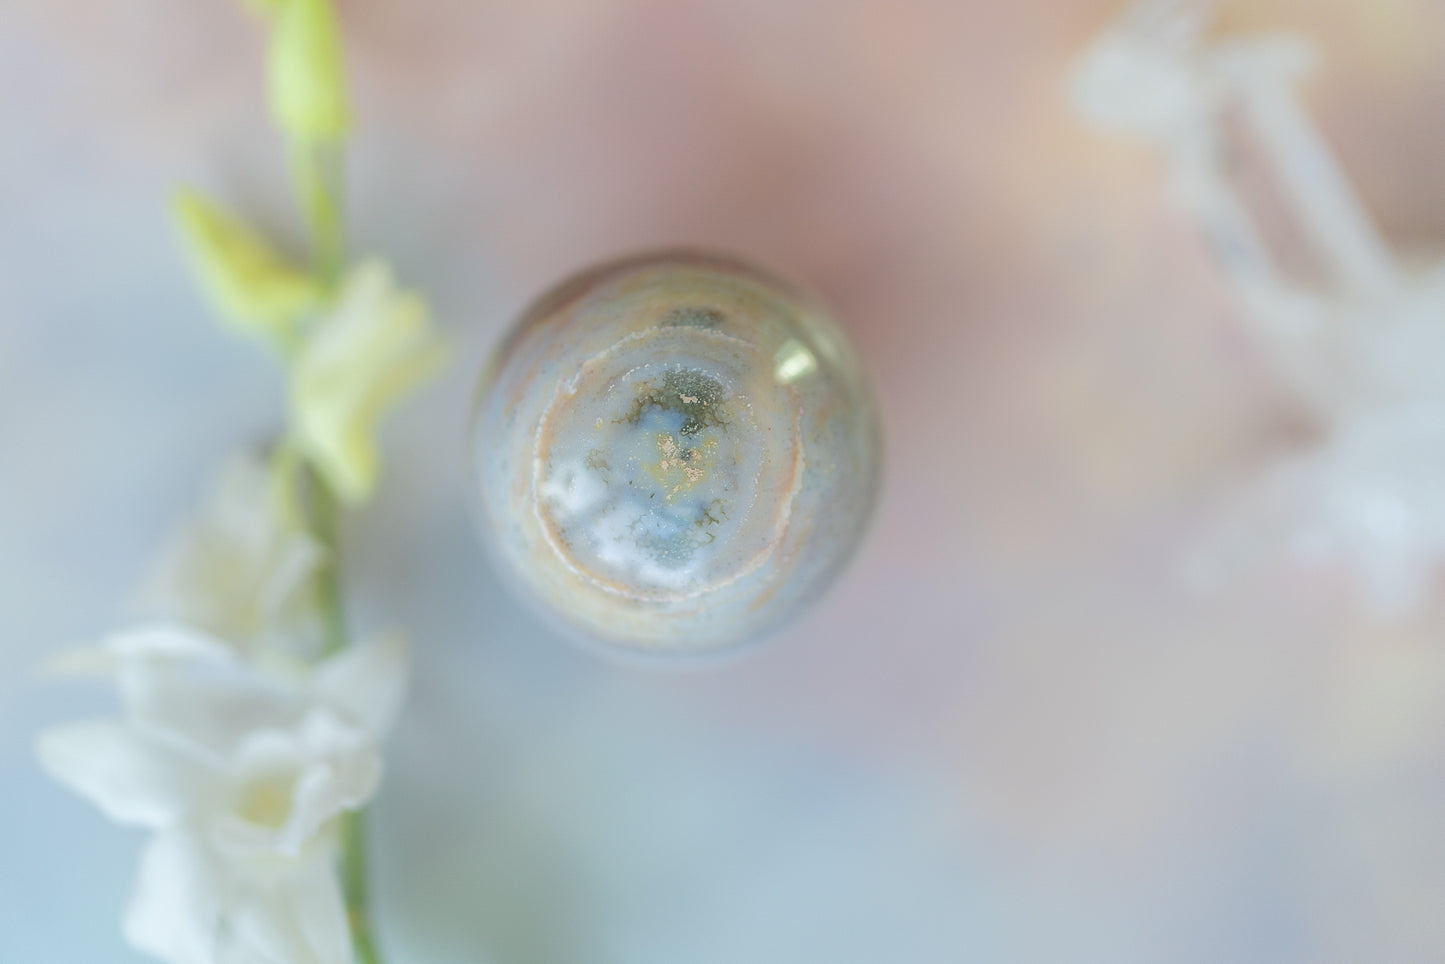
{"x":1009,"y":736}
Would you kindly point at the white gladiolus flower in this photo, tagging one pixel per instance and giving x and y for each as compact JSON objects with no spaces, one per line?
{"x":193,"y":905}
{"x":250,"y":726}
{"x":241,"y":774}
{"x":237,"y":863}
{"x":177,"y":679}
{"x":269,"y":796}
{"x":242,"y":568}
{"x":1357,"y":340}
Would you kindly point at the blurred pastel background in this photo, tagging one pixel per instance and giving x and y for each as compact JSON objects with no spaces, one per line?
{"x":1012,"y":734}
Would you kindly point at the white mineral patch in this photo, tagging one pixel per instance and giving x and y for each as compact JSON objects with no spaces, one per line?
{"x":571,"y":489}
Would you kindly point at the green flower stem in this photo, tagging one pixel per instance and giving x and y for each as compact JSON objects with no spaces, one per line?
{"x":325,"y":518}
{"x":318,"y":170}
{"x":355,"y":885}
{"x":325,"y":527}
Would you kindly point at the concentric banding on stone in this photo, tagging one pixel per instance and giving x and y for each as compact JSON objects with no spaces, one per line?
{"x":674,"y":453}
{"x":668,"y":479}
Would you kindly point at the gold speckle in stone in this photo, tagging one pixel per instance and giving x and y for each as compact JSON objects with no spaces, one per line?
{"x":681,"y":467}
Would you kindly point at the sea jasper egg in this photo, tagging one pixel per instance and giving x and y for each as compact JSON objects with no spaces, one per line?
{"x":674,"y":453}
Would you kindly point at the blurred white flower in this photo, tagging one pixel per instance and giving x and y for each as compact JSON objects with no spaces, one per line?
{"x":1358,"y":341}
{"x":241,"y":773}
{"x":177,"y":679}
{"x":241,"y":569}
{"x":1366,"y":500}
{"x":237,"y":862}
{"x":268,"y":796}
{"x":243,"y":738}
{"x":193,"y":905}
{"x":372,"y":348}
{"x":1133,"y":78}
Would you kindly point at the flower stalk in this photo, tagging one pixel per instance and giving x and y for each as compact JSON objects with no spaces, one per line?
{"x":355,"y":873}
{"x":356,"y":887}
{"x":258,"y":803}
{"x":325,"y":525}
{"x":318,"y":169}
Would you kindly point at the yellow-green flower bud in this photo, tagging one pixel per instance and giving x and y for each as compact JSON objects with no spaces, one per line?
{"x":251,"y":285}
{"x":375,"y":345}
{"x":307,"y":70}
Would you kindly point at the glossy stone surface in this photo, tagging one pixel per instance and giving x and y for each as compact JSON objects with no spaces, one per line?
{"x":675,"y":452}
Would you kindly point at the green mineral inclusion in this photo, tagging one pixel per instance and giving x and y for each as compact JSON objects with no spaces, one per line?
{"x":692,"y":394}
{"x":693,"y":316}
{"x":680,"y":419}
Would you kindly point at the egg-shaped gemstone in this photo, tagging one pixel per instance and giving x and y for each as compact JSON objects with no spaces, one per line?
{"x":675,"y":452}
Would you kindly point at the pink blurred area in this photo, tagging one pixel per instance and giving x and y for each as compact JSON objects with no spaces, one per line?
{"x":1066,"y":388}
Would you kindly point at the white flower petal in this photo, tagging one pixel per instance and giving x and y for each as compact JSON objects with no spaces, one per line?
{"x":160,"y":640}
{"x":132,"y":777}
{"x":169,"y":641}
{"x":299,"y":918}
{"x":192,"y":905}
{"x":241,"y":567}
{"x":319,"y":911}
{"x":367,"y":681}
{"x":176,"y":680}
{"x":326,"y":790}
{"x":180,"y":896}
{"x":342,"y":772}
{"x":290,"y":784}
{"x":213,"y":708}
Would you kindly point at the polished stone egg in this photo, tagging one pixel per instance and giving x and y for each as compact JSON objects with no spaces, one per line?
{"x":674,"y":453}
